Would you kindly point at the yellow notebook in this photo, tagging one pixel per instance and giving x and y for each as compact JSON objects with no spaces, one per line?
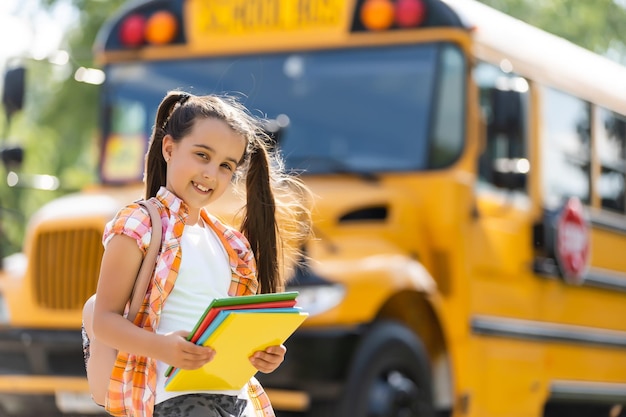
{"x":237,"y":334}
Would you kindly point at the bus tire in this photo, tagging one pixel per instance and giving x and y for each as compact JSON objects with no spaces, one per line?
{"x":389,"y":375}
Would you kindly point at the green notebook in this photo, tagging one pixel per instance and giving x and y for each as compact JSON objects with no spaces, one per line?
{"x":241,"y":300}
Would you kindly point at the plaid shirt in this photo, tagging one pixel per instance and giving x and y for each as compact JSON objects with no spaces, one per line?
{"x":133,"y":380}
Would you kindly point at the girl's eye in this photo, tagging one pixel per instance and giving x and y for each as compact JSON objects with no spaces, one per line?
{"x":227,"y":166}
{"x":202,"y":155}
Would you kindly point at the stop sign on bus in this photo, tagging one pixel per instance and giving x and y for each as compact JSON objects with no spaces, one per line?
{"x":572,"y":242}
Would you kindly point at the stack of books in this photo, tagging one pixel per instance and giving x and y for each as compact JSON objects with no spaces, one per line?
{"x":236,"y":327}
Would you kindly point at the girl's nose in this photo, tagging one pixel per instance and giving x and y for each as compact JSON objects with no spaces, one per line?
{"x":210,"y":172}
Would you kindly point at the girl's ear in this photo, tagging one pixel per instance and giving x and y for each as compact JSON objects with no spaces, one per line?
{"x":166,"y":146}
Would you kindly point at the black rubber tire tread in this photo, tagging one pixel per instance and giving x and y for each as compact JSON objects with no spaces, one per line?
{"x":387,"y":345}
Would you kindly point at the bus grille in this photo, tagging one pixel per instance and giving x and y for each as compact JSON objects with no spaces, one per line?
{"x":66,"y":265}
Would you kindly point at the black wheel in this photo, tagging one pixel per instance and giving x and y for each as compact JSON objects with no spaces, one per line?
{"x":389,"y":375}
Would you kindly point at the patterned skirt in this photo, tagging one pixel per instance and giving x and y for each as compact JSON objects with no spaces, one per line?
{"x":201,"y":405}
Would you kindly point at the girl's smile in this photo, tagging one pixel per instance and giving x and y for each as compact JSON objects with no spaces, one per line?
{"x":201,"y":188}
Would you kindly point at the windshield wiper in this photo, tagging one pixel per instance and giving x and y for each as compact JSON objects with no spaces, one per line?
{"x":330,"y":165}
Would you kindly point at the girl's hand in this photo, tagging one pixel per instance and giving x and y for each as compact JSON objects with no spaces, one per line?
{"x":268,"y":360}
{"x":183,"y":354}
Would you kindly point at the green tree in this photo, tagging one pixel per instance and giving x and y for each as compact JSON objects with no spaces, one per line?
{"x":58,"y":126}
{"x":598,"y":25}
{"x":72,"y":108}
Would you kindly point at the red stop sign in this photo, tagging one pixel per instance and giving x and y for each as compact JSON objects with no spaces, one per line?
{"x":572,"y":242}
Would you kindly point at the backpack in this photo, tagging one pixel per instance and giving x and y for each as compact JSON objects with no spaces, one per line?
{"x":100,"y":358}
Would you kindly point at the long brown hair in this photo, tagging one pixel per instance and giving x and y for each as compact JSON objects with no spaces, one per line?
{"x":273,"y":198}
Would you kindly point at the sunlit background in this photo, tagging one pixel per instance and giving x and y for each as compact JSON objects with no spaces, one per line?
{"x":28,"y":31}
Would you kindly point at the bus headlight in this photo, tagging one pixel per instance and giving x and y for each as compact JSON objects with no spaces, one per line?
{"x":317,"y":299}
{"x":4,"y":311}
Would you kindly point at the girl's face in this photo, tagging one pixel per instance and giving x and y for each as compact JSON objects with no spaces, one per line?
{"x":201,"y":165}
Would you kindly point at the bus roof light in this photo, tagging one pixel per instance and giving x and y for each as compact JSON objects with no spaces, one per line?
{"x":132,"y":30}
{"x":377,"y":14}
{"x":410,"y":13}
{"x":161,"y":28}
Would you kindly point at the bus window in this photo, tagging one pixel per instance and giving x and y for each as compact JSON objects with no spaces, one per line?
{"x":447,"y":142}
{"x":566,"y":153}
{"x":505,"y":152}
{"x":122,"y":156}
{"x":611,"y":148}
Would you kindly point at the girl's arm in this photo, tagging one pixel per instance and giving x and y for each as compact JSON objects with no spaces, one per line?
{"x":120,"y":264}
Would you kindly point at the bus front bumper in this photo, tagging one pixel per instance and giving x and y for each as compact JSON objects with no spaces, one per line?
{"x":50,"y":396}
{"x":42,"y":372}
{"x":25,"y":351}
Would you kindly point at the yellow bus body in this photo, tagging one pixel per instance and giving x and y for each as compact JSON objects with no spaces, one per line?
{"x":456,"y":263}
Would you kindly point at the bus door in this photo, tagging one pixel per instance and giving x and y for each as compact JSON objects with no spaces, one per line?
{"x":503,"y":287}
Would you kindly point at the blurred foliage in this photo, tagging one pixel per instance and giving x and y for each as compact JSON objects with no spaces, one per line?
{"x":73,"y":107}
{"x":598,"y":25}
{"x":58,"y":126}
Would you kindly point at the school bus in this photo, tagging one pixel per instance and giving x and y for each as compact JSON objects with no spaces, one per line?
{"x":469,"y":177}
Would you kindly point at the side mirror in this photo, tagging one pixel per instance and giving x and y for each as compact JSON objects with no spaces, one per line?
{"x":12,"y":157}
{"x":13,"y":92}
{"x":510,"y":173}
{"x":506,"y":137}
{"x":507,"y":112}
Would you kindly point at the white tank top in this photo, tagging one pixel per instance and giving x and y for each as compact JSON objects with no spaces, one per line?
{"x":204,"y":275}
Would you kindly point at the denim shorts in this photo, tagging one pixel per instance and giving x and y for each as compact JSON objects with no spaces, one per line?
{"x":201,"y":405}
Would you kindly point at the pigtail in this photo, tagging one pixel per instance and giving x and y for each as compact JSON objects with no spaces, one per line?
{"x":259,"y":223}
{"x":155,"y":166}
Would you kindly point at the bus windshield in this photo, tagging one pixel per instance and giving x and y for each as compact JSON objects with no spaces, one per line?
{"x":361,"y":110}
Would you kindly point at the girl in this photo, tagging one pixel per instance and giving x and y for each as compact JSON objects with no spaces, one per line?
{"x":199,"y":145}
